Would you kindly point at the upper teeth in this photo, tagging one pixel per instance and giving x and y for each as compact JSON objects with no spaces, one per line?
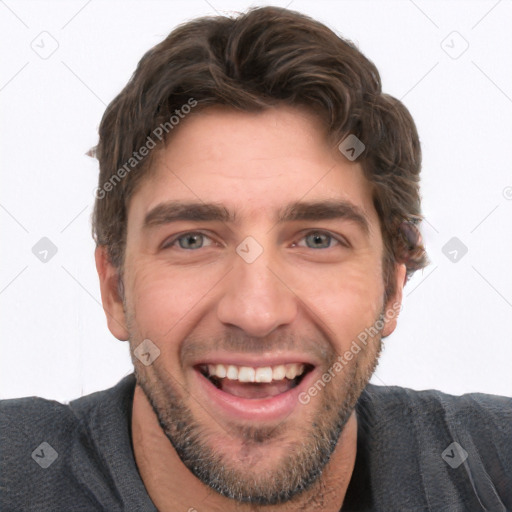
{"x":260,"y":374}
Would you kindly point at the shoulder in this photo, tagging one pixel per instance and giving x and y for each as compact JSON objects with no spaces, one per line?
{"x":470,"y":411}
{"x":29,"y":421}
{"x":474,"y":413}
{"x":36,"y":435}
{"x":454,"y":450}
{"x":29,"y":412}
{"x":478,"y":421}
{"x":48,"y":449}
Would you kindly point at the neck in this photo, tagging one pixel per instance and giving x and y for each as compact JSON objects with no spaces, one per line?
{"x":171,"y":486}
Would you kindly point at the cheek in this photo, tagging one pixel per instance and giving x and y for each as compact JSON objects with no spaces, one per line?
{"x":345,"y":300}
{"x":166,"y":301}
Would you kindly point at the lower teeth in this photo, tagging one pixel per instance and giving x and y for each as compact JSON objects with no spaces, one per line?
{"x":217,"y":382}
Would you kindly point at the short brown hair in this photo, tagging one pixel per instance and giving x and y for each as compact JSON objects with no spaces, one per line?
{"x":265,"y":57}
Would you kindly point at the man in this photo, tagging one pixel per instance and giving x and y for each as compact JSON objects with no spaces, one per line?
{"x":255,"y":224}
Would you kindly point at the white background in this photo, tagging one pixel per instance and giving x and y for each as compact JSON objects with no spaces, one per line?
{"x":455,"y":331}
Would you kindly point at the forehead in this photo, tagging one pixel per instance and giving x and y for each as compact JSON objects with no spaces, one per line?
{"x":252,"y":163}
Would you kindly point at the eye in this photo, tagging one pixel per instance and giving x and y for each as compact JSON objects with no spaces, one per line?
{"x":318,"y":240}
{"x":190,"y":241}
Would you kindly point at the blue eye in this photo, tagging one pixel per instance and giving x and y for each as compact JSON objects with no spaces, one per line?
{"x":191,"y":241}
{"x":318,"y":240}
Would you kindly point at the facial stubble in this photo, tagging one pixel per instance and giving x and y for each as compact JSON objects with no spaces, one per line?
{"x":235,"y":475}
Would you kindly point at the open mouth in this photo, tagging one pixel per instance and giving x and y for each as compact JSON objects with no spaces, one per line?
{"x":255,"y":382}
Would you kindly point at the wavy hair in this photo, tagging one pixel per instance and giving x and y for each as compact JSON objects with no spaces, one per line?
{"x":262,"y":58}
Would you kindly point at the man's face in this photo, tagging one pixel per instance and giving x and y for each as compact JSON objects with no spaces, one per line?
{"x":253,"y":253}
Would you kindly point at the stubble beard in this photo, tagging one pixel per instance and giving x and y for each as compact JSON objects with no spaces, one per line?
{"x":234,"y":477}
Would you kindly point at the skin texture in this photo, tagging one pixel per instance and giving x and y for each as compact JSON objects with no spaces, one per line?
{"x":296,"y":301}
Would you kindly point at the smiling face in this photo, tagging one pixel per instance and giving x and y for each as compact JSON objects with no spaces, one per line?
{"x":253,"y":261}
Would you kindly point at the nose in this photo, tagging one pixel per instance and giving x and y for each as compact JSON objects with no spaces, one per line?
{"x":257,"y":298}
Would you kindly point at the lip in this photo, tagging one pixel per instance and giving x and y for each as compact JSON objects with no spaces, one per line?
{"x":237,"y":408}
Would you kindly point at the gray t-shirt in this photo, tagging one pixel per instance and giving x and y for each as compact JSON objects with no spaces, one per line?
{"x":79,"y":457}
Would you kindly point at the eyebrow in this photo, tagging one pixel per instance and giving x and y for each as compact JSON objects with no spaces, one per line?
{"x":326,"y":210}
{"x":171,"y":211}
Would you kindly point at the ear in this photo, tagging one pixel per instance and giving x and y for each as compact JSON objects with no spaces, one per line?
{"x":394,"y":303}
{"x":112,"y":301}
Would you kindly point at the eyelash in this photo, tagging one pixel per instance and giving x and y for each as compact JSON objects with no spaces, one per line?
{"x":338,"y":239}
